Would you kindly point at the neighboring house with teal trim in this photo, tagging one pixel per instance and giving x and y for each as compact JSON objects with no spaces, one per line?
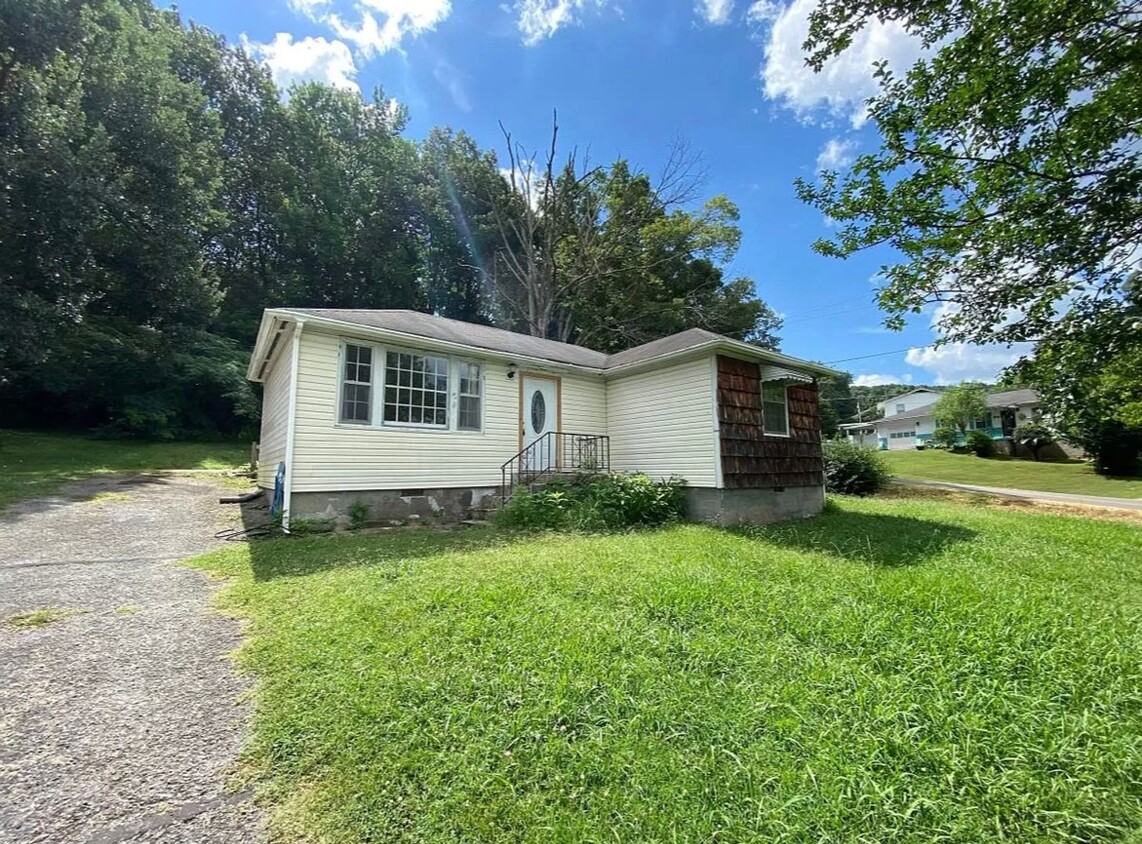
{"x":909,"y":421}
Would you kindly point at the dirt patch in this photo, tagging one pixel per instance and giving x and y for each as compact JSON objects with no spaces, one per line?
{"x":979,"y":499}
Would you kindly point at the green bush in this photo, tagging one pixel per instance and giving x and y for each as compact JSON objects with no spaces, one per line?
{"x":852,"y":469}
{"x":1034,"y":437}
{"x":358,"y":514}
{"x":943,"y":437}
{"x":1114,"y":446}
{"x":980,"y":443}
{"x":545,"y":509}
{"x":596,"y":502}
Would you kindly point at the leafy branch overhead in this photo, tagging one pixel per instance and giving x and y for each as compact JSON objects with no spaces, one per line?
{"x":1008,"y":184}
{"x":1008,"y":176}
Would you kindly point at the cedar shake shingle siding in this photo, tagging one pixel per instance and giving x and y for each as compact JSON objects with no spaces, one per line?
{"x":750,"y":458}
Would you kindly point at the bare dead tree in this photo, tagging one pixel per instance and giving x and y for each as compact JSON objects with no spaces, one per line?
{"x":682,"y":176}
{"x":526,"y":275}
{"x":554,"y":212}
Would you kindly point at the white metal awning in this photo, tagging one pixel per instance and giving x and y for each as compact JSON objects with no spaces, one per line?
{"x":786,"y":376}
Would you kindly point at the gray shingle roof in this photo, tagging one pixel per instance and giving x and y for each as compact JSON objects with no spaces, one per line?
{"x":465,"y":333}
{"x":1011,"y":397}
{"x":674,"y":343}
{"x":508,"y":342}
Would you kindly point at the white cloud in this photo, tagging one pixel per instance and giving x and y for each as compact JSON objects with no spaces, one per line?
{"x":306,"y":59}
{"x":539,"y":19}
{"x":878,"y":379}
{"x":836,"y":153}
{"x":528,"y":180}
{"x":716,"y":12}
{"x":764,"y":12}
{"x":845,"y":82}
{"x":956,"y":362}
{"x":873,"y":329}
{"x":401,"y":18}
{"x":309,"y":8}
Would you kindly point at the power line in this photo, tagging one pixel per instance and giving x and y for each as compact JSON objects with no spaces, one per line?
{"x":877,"y":355}
{"x":828,"y":315}
{"x":824,"y":306}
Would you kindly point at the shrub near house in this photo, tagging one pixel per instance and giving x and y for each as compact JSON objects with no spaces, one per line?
{"x":596,"y":502}
{"x":853,"y":469}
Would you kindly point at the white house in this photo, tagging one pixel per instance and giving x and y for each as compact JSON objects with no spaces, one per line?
{"x":405,"y":412}
{"x":909,"y":421}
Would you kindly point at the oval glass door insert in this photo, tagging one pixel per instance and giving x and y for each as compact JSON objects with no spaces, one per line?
{"x":538,"y":412}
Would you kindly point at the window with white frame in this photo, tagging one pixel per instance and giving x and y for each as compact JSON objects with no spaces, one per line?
{"x":774,"y":409}
{"x":470,"y":397}
{"x":900,"y":407}
{"x":357,"y":385}
{"x":416,"y":389}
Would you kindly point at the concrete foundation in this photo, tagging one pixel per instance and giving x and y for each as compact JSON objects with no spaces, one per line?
{"x":729,"y":507}
{"x":436,"y":506}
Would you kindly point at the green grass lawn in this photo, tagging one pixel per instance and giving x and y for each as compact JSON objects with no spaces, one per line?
{"x":895,"y":670}
{"x":1074,"y":477}
{"x":37,"y":463}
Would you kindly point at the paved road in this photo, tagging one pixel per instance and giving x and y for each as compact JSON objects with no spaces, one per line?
{"x":1033,"y":495}
{"x":121,"y":722}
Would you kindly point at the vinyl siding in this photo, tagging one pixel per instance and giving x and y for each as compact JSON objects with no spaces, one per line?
{"x":332,"y":457}
{"x":911,"y":402}
{"x":275,"y":414}
{"x":662,"y":422}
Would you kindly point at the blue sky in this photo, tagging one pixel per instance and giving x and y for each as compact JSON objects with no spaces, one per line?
{"x":627,"y":78}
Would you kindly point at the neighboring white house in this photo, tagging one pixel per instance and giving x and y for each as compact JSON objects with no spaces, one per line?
{"x":908,"y":418}
{"x":905,"y":402}
{"x":408,"y":413}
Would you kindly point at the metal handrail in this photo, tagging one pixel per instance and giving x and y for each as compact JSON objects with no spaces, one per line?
{"x":555,"y":451}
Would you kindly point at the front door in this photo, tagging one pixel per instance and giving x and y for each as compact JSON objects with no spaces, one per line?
{"x":539,"y":415}
{"x":1007,"y":421}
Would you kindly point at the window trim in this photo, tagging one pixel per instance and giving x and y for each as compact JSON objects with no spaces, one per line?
{"x":459,"y":363}
{"x":342,"y":362}
{"x":785,"y":403}
{"x":432,"y":426}
{"x":377,"y":407}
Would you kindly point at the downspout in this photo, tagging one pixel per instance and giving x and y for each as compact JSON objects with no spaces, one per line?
{"x":291,"y":423}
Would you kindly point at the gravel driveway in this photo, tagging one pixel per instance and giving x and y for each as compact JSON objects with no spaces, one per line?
{"x":122,"y":721}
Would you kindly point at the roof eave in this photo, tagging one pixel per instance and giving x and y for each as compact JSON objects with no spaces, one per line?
{"x":728,"y":345}
{"x":705,"y":347}
{"x":407,"y":338}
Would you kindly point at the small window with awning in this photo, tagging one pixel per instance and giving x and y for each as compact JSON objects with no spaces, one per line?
{"x":775,"y":382}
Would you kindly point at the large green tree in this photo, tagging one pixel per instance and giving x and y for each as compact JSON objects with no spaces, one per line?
{"x":158,"y":191}
{"x":608,"y":258}
{"x":1089,"y":377}
{"x":961,"y":405}
{"x":458,"y":185}
{"x":1009,"y":182}
{"x":112,"y":179}
{"x":1008,"y":177}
